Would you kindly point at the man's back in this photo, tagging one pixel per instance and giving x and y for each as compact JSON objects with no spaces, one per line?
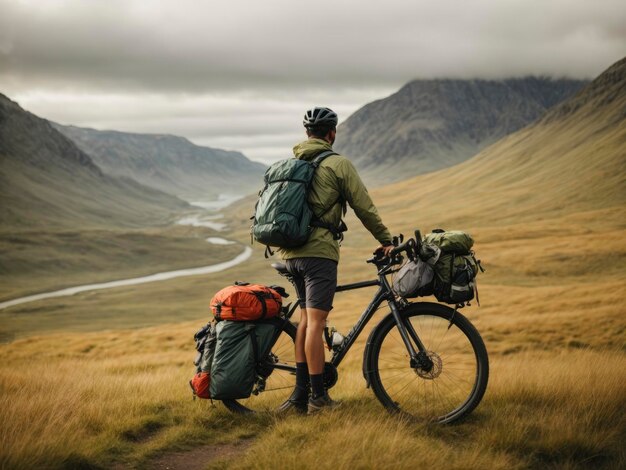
{"x":336,"y":182}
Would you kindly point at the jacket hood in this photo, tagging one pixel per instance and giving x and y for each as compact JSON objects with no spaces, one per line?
{"x":310,"y":148}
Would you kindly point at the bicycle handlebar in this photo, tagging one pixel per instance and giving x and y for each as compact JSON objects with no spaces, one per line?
{"x":406,"y":246}
{"x":409,"y":246}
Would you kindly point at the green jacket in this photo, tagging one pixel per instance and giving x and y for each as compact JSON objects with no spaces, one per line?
{"x":335,"y":180}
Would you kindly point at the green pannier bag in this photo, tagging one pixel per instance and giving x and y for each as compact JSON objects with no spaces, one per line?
{"x":456,"y":267}
{"x":240,"y":348}
{"x":455,"y":278}
{"x":282,"y":215}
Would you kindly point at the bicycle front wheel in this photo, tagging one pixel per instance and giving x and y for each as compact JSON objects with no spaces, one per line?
{"x":451,"y":378}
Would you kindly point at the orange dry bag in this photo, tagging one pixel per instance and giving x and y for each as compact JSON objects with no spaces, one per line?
{"x":246,"y":302}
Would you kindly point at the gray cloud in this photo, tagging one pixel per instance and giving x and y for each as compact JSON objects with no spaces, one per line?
{"x":186,"y":45}
{"x":239,"y":74}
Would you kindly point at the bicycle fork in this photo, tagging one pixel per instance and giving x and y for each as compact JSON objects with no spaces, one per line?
{"x":419,"y":359}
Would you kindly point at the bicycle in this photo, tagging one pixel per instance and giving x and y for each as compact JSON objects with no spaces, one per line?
{"x":423,"y":360}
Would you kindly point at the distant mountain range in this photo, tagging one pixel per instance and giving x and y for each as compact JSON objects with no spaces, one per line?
{"x":433,"y":124}
{"x":570,"y":161}
{"x":167,"y":162}
{"x":47,"y":181}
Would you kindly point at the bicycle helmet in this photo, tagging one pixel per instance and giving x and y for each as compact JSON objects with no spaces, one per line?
{"x":320,"y":117}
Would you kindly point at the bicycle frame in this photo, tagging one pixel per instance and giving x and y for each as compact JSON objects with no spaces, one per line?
{"x":435,"y":401}
{"x":407,"y":332}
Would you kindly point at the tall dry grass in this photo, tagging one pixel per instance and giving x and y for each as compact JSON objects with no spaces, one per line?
{"x":542,"y":410}
{"x":72,"y":400}
{"x":95,"y":400}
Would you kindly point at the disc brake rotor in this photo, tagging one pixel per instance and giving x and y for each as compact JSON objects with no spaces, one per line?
{"x":435,"y":370}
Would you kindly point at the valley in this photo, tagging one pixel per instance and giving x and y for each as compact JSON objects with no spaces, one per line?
{"x":546,"y":206}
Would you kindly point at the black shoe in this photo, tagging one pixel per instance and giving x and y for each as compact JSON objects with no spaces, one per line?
{"x":299,"y":406}
{"x":316,"y":405}
{"x":298,"y":401}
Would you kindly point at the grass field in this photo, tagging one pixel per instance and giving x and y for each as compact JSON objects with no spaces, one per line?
{"x":99,"y":380}
{"x":556,"y":399}
{"x":119,"y":396}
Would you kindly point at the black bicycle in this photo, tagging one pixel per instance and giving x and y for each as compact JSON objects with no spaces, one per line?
{"x":424,"y":360}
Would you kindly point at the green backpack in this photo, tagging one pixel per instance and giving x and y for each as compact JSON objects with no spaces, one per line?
{"x":456,"y":268}
{"x":282,"y":215}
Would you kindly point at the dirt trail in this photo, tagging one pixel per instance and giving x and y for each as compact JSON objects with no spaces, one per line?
{"x":195,"y":459}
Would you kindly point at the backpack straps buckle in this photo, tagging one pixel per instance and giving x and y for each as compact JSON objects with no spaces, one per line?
{"x":336,"y":231}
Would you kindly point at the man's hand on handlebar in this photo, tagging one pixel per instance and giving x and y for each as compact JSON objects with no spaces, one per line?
{"x":391,"y":252}
{"x":383,"y":250}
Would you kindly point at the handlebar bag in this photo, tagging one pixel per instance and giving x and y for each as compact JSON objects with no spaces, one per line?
{"x":246,"y":302}
{"x":414,"y":279}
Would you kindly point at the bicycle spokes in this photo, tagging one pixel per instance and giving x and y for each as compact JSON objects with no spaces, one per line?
{"x":439,"y":380}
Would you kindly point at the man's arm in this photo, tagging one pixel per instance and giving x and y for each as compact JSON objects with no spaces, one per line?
{"x":355,"y":194}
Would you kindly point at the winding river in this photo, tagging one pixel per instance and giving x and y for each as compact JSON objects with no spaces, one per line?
{"x":214,"y":268}
{"x":198,"y":220}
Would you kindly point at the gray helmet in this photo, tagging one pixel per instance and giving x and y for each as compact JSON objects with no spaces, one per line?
{"x":320,"y":117}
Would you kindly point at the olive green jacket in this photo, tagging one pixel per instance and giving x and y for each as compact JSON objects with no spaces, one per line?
{"x":335,"y":180}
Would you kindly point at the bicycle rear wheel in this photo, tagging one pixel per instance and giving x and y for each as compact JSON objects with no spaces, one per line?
{"x":280,"y":377}
{"x":451,"y":382}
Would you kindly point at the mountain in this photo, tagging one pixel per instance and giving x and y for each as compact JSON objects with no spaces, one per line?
{"x":433,"y":124}
{"x":168,"y":163}
{"x":571,"y":163}
{"x":46,"y":180}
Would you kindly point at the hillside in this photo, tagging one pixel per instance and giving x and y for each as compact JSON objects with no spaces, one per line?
{"x":64,"y":222}
{"x":432,"y":124}
{"x":47,"y":181}
{"x":166,"y":162}
{"x":570,"y":161}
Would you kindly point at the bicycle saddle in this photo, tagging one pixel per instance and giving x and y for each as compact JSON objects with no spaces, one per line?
{"x":280,"y":267}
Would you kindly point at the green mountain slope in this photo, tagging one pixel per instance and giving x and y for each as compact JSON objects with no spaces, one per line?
{"x":432,"y":124}
{"x":47,"y":181}
{"x":166,"y":162}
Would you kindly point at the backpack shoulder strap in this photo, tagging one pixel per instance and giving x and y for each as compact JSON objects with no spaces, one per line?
{"x":321,"y":157}
{"x":317,"y":220}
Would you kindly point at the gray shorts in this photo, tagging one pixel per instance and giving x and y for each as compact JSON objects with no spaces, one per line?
{"x":315,"y":280}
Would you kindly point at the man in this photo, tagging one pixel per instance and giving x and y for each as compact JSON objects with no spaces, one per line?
{"x":314,"y":265}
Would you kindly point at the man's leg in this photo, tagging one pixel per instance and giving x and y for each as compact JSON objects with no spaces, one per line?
{"x":300,"y":395}
{"x":301,"y":392}
{"x":314,"y":349}
{"x":300,"y":336}
{"x":314,"y":344}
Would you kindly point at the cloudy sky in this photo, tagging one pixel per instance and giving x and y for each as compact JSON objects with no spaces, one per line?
{"x":239,"y":74}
